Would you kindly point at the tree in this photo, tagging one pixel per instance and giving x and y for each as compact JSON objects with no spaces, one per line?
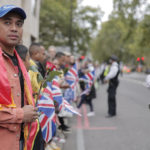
{"x":118,"y":34}
{"x":57,"y":26}
{"x":109,"y":40}
{"x":141,"y":45}
{"x":54,"y":23}
{"x":85,"y":24}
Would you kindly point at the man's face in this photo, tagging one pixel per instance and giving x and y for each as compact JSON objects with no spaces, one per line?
{"x":67,"y":59}
{"x":11,"y":29}
{"x":61,"y":61}
{"x":72,"y":60}
{"x":41,"y":54}
{"x":52,"y":52}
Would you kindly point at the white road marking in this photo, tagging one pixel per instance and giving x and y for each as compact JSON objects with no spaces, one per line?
{"x":80,"y":140}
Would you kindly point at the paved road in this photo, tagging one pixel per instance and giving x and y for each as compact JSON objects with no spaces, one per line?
{"x":129,"y":130}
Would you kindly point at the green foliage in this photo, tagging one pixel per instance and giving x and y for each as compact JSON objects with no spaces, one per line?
{"x":110,"y":40}
{"x":54,"y":23}
{"x":50,"y":77}
{"x":65,"y":70}
{"x":85,"y":22}
{"x":125,"y":33}
{"x":141,"y":45}
{"x":63,"y":23}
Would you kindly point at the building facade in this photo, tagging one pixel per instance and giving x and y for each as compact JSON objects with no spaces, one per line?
{"x":31,"y":25}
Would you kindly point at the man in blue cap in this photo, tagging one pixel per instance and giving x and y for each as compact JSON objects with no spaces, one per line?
{"x":16,"y":102}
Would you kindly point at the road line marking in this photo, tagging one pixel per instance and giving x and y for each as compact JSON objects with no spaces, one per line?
{"x":87,"y":124}
{"x":96,"y":128}
{"x":102,"y":128}
{"x":80,"y":139}
{"x":86,"y":121}
{"x":79,"y":122}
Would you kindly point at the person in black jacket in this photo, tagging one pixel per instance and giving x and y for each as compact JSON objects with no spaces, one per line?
{"x":112,"y":77}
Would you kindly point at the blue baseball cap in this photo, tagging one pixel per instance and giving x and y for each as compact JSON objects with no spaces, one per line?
{"x":12,"y":8}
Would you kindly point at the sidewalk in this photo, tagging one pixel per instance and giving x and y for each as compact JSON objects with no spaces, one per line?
{"x":69,"y":122}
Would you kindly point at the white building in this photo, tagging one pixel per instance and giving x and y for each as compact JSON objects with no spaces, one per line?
{"x":31,"y":25}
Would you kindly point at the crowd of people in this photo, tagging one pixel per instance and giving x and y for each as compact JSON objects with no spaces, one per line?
{"x":39,"y":87}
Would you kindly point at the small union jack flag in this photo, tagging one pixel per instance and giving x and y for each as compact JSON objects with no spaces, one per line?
{"x":88,"y":78}
{"x":57,"y":93}
{"x":47,"y":110}
{"x":70,"y":108}
{"x":72,"y":76}
{"x":72,"y":79}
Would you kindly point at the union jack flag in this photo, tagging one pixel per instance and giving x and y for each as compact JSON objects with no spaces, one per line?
{"x":47,"y":110}
{"x":88,"y":78}
{"x":70,"y":94}
{"x":72,"y":79}
{"x":57,"y":93}
{"x":72,"y":76}
{"x":70,"y":108}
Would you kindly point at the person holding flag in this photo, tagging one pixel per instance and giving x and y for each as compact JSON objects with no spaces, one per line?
{"x":72,"y":79}
{"x":86,"y":78}
{"x":17,"y":108}
{"x":58,"y":84}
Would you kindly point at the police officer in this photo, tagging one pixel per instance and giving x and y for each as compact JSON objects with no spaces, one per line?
{"x":112,"y":78}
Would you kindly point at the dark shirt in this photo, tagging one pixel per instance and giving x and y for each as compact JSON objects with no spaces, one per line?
{"x":41,"y":69}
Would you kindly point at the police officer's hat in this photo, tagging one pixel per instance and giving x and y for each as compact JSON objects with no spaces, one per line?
{"x":113,"y":57}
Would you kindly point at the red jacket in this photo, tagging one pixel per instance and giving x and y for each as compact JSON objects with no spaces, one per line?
{"x":11,"y":118}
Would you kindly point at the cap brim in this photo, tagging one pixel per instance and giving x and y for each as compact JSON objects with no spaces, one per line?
{"x":17,"y":10}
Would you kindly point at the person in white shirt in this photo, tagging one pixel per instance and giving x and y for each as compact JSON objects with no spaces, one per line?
{"x":112,"y":78}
